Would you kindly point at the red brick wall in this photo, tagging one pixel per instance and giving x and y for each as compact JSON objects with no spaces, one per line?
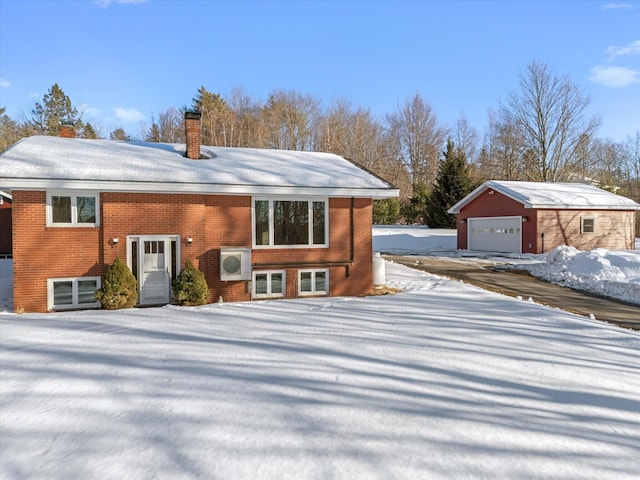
{"x":41,"y":252}
{"x":211,"y":221}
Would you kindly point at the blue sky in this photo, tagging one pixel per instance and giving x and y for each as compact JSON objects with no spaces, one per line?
{"x":126,"y":60}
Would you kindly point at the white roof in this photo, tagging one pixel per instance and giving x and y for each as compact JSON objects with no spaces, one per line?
{"x":552,"y":195}
{"x":42,"y":162}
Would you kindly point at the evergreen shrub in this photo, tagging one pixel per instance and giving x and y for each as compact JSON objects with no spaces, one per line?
{"x":119,"y":287}
{"x":190,"y":286}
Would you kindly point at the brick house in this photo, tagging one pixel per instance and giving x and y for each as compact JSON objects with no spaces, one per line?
{"x":5,"y":224}
{"x":258,"y":223}
{"x":535,"y":217}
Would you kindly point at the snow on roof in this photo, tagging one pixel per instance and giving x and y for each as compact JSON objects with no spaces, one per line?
{"x":53,"y":162}
{"x":552,"y":195}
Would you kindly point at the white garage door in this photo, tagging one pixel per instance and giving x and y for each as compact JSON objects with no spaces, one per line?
{"x":495,"y":234}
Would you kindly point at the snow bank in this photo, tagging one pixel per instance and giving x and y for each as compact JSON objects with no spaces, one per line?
{"x":614,"y":274}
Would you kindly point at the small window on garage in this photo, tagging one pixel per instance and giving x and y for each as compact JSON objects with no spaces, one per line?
{"x":587,"y":225}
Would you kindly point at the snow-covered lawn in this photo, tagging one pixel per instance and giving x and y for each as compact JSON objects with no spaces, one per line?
{"x":615,"y":274}
{"x":441,"y":381}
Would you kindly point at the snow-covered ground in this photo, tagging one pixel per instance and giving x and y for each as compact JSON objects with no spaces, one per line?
{"x":441,"y":381}
{"x":615,"y":274}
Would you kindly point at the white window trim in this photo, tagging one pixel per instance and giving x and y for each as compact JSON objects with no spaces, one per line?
{"x":271,"y":220}
{"x":313,"y":291}
{"x":269,"y":294}
{"x":582,"y":219}
{"x":74,"y":217}
{"x":74,"y":290}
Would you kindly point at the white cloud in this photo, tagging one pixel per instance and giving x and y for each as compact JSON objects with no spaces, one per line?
{"x":129,"y":115}
{"x":632,"y":49}
{"x":4,"y":83}
{"x":616,"y":6}
{"x":106,"y":3}
{"x":614,"y":77}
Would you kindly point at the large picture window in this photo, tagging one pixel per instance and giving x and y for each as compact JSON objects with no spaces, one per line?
{"x":290,"y":223}
{"x":72,"y":292}
{"x":77,"y":210}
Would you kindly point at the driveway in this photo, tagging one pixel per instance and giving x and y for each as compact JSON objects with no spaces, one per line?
{"x":519,"y":283}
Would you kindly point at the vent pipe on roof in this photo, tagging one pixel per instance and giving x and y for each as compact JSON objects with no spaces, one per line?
{"x":192,"y":130}
{"x":67,"y":130}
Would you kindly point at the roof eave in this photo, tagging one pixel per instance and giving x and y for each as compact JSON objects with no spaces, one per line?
{"x":202,"y":188}
{"x":585,"y":207}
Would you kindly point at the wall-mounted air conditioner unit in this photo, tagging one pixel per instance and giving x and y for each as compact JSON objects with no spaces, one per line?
{"x":235,"y":263}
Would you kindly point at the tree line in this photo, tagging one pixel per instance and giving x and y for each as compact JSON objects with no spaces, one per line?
{"x":541,"y":132}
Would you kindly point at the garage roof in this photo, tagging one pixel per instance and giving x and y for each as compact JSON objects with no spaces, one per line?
{"x":552,"y":195}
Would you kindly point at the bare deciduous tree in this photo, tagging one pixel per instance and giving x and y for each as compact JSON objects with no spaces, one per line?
{"x":465,"y":138}
{"x":503,"y":154}
{"x":290,"y":119}
{"x":169,"y":128}
{"x":549,"y":112}
{"x":416,"y":138}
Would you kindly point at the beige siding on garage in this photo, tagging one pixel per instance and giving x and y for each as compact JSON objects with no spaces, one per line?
{"x":614,"y":230}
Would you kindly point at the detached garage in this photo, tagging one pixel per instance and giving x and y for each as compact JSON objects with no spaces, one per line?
{"x":535,"y":217}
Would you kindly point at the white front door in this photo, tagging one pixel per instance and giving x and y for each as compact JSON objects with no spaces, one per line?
{"x":154,"y":275}
{"x":154,"y":261}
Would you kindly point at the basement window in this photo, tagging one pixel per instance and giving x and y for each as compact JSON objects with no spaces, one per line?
{"x":65,"y":293}
{"x":587,"y":225}
{"x":313,"y":282}
{"x":268,"y":284}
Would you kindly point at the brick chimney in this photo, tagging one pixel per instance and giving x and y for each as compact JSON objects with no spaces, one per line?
{"x":192,"y":128}
{"x":66,"y":130}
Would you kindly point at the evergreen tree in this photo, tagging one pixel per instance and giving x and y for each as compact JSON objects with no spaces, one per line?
{"x":214,"y":110}
{"x":10,"y":131}
{"x":386,"y":211}
{"x":55,"y":109}
{"x":88,"y":131}
{"x":120,"y":134}
{"x":153,"y":134}
{"x":119,"y":287}
{"x":415,"y":210}
{"x":190,"y":287}
{"x":453,"y":183}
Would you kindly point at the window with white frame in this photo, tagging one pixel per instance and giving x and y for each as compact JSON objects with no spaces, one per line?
{"x":271,"y":284}
{"x":313,"y":282}
{"x":73,"y":209}
{"x":72,"y":292}
{"x":290,"y":222}
{"x":587,"y":225}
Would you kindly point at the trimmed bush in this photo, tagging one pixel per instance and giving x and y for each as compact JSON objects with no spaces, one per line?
{"x":119,"y":287}
{"x":190,"y":286}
